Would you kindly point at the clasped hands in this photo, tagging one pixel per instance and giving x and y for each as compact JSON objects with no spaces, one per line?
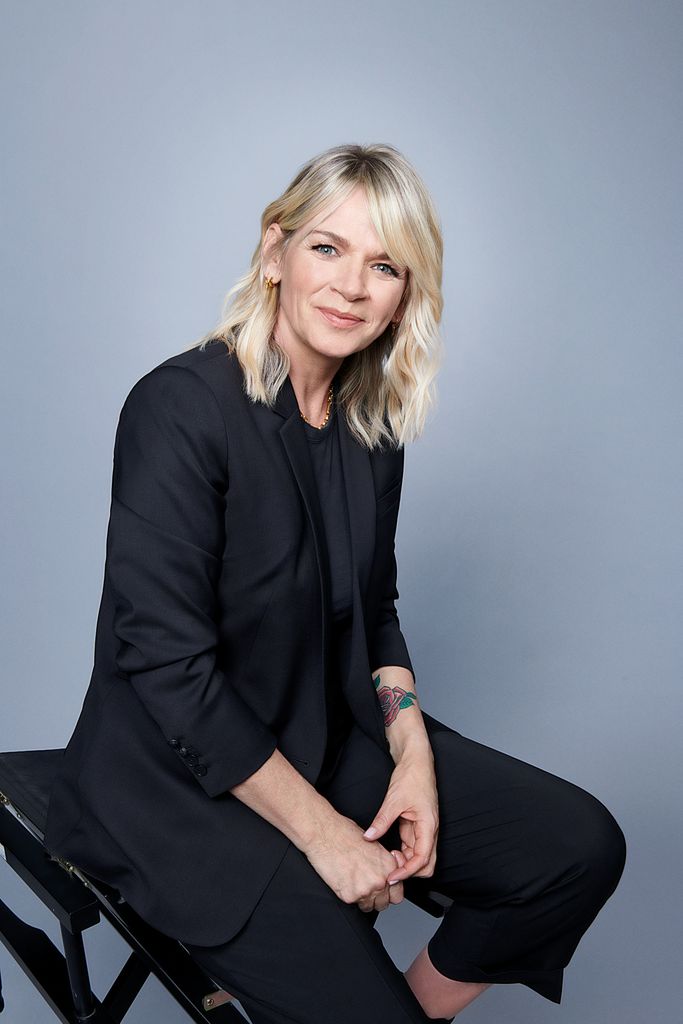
{"x":357,"y":867}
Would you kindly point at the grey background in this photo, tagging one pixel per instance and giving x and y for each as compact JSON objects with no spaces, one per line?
{"x":539,"y":538}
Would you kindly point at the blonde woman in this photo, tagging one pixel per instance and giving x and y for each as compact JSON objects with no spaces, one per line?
{"x":253,"y":767}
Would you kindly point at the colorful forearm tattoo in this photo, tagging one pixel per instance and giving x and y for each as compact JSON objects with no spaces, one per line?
{"x":392,"y":699}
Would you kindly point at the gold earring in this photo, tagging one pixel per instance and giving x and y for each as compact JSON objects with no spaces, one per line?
{"x":270,"y":283}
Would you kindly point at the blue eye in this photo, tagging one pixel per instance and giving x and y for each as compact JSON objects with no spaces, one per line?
{"x":391,"y":270}
{"x":322,"y":245}
{"x":326,"y":245}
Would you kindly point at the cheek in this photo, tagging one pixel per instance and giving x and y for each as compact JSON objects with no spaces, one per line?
{"x":306,"y":290}
{"x":383,"y":307}
{"x":295,"y":296}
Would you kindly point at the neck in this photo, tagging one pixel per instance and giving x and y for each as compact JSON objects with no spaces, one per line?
{"x":311,"y":386}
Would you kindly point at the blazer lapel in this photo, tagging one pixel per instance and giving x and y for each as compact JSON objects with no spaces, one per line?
{"x":360,"y":495}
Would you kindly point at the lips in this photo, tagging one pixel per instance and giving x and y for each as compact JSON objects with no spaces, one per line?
{"x":335,"y":315}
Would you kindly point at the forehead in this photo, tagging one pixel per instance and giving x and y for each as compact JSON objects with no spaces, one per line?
{"x":346,"y":224}
{"x":343,"y":215}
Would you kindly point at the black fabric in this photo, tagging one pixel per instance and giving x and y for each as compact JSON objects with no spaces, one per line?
{"x":211,"y":639}
{"x":527,"y":857}
{"x":339,"y":716}
{"x":324,"y":446}
{"x":326,"y":456}
{"x":26,"y":777}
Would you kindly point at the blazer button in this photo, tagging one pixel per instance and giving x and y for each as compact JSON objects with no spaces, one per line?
{"x":199,"y":769}
{"x":182,"y":751}
{"x":174,"y":741}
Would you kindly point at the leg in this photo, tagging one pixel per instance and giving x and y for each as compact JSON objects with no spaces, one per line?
{"x":438,"y":994}
{"x":305,"y":956}
{"x":528,"y":858}
{"x":356,"y":787}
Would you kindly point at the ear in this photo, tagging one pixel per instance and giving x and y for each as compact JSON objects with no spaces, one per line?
{"x":270,"y":258}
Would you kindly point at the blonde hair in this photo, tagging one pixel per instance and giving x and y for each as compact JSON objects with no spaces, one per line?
{"x":385,"y":390}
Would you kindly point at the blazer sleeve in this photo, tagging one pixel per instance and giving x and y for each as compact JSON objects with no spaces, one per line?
{"x":388,"y":645}
{"x":164,"y":557}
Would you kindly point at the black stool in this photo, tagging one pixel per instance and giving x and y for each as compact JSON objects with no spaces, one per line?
{"x":77,"y":900}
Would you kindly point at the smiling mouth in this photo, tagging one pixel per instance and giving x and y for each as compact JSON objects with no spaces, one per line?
{"x":339,"y":319}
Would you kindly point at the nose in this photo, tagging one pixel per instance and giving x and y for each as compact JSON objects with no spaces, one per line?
{"x":349,"y":281}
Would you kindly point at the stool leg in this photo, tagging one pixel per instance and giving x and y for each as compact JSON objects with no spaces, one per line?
{"x":77,"y":967}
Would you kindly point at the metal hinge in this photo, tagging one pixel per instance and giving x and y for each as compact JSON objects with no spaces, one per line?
{"x":217,"y":998}
{"x":66,"y":864}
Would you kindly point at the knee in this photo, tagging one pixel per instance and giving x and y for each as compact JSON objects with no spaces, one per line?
{"x":598,"y":844}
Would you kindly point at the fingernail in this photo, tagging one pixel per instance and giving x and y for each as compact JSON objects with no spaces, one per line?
{"x":370,"y":832}
{"x":393,"y":881}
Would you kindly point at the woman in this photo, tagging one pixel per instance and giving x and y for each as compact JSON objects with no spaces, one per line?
{"x":252,"y":768}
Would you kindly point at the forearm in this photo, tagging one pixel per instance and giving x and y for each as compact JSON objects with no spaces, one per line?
{"x":281,"y":795}
{"x":403,"y":723}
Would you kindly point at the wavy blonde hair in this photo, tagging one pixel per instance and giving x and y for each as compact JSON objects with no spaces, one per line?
{"x":386,"y":389}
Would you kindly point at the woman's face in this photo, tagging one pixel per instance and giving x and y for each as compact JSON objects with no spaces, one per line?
{"x":335,"y":262}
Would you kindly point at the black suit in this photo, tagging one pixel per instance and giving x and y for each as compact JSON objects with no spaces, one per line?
{"x":209,"y":653}
{"x":211,"y":639}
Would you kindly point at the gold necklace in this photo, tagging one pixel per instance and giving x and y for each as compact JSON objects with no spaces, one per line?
{"x":327,"y":414}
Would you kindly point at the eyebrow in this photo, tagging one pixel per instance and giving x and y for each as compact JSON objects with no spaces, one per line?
{"x":342,"y":241}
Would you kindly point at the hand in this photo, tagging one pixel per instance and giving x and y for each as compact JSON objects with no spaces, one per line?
{"x":412,"y":798}
{"x":381,"y":900}
{"x":353,"y":868}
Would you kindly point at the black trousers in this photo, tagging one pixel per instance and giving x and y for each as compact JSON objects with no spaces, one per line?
{"x":528,"y":858}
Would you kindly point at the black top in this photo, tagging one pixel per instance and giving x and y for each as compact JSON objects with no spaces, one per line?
{"x":324,"y":447}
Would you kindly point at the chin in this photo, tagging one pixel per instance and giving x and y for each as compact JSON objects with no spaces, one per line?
{"x":335,"y":348}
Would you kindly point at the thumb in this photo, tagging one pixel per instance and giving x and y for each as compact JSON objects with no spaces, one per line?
{"x":380,"y":823}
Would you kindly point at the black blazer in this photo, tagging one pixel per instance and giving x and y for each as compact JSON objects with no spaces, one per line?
{"x":210,"y":641}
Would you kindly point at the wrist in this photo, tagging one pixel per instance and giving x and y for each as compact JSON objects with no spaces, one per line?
{"x":318,"y":821}
{"x":413,"y":744}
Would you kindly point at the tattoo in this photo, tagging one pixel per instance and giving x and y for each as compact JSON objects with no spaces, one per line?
{"x":392,"y":699}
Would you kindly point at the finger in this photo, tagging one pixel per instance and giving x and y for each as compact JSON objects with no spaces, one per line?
{"x":399,"y":858}
{"x":400,"y":874}
{"x":384,"y":818}
{"x":425,"y":841}
{"x":396,"y":893}
{"x":378,"y":900}
{"x":419,"y":866}
{"x":411,"y":867}
{"x":382,"y":900}
{"x":408,"y":842}
{"x":391,"y":894}
{"x":428,"y":870}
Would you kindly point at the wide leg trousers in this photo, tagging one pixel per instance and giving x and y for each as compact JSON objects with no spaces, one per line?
{"x":528,"y":859}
